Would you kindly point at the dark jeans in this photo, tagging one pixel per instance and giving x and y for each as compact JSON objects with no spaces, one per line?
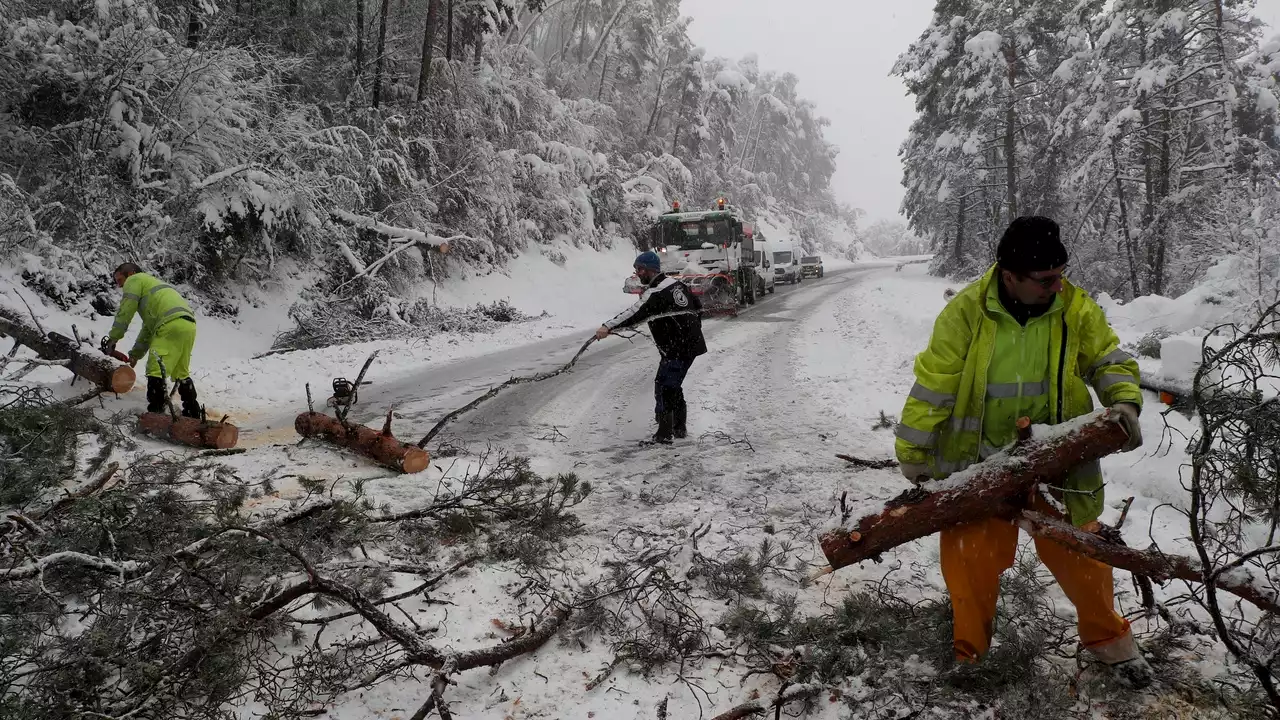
{"x":668,"y":394}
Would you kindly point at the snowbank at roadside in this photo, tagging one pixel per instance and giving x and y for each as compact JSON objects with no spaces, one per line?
{"x":1166,"y":334}
{"x":566,"y":289}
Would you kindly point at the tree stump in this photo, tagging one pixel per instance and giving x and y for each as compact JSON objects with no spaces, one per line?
{"x":381,"y":447}
{"x":190,"y":431}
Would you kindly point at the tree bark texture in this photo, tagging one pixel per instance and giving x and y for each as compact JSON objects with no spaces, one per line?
{"x":980,"y":492}
{"x":190,"y":431}
{"x":382,"y":447}
{"x":108,"y":373}
{"x":359,"y":39}
{"x":1154,"y":565}
{"x":448,"y":43}
{"x":382,"y":52}
{"x":428,"y":47}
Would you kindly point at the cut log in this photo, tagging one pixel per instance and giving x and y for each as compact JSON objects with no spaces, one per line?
{"x":382,"y":447}
{"x":190,"y":431}
{"x":83,"y":360}
{"x":979,"y":492}
{"x":1156,"y":566}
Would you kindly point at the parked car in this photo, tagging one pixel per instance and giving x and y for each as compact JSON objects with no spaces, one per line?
{"x":811,"y":266}
{"x":786,"y":266}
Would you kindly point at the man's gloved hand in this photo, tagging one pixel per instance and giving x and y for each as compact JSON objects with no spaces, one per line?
{"x":1127,"y":415}
{"x":602,"y":332}
{"x":106,"y":345}
{"x":916,"y":472}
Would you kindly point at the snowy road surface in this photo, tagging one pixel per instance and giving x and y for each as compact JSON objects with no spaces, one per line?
{"x":785,"y":386}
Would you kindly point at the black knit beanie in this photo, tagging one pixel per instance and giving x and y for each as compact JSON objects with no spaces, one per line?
{"x":1031,"y":244}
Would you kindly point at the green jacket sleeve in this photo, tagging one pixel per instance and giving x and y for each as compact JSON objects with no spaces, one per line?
{"x":932,"y":399}
{"x":128,"y":308}
{"x":1113,"y":372}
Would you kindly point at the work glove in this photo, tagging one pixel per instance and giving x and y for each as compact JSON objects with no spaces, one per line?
{"x":107,"y":345}
{"x":917,"y":473}
{"x":1127,"y":415}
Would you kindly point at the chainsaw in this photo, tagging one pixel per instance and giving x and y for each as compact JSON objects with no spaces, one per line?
{"x":108,"y":348}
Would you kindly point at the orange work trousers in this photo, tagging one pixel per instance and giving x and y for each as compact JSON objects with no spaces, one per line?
{"x":974,"y":556}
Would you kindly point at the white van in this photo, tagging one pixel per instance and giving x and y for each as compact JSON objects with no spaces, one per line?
{"x":786,"y":264}
{"x":764,"y":266}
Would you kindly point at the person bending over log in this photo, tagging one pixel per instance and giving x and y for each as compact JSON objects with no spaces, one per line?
{"x":1021,"y":342}
{"x":168,"y":335}
{"x":674,"y":315}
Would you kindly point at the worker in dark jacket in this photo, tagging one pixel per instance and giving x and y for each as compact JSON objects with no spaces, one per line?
{"x":674,"y":315}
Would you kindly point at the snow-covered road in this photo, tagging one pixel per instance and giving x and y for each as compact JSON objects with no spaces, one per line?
{"x":785,"y":386}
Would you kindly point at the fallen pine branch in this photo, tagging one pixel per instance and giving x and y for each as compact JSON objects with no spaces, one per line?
{"x":759,"y":707}
{"x":435,"y":429}
{"x":977,"y":492}
{"x":868,"y":464}
{"x":1155,"y":565}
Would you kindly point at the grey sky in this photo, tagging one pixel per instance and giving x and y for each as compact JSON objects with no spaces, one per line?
{"x":842,"y":51}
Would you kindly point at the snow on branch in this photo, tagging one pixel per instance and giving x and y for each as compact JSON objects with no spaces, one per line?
{"x":93,"y":562}
{"x":406,"y":238}
{"x":395,"y":233}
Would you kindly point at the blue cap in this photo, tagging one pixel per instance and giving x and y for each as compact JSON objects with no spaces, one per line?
{"x":649,"y":260}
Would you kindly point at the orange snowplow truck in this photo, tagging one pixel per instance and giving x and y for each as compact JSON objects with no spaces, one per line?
{"x":713,"y":253}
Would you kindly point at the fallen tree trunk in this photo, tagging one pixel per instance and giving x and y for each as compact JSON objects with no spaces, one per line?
{"x":82,"y":360}
{"x":979,"y":492}
{"x":190,"y":431}
{"x":1154,"y":565}
{"x":380,"y":446}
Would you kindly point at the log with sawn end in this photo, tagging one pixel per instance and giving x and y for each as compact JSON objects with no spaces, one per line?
{"x":381,"y":446}
{"x":83,"y":360}
{"x":190,"y":431}
{"x":982,"y":491}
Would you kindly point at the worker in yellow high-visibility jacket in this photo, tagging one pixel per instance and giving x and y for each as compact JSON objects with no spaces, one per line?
{"x":1021,"y":341}
{"x":167,"y":336}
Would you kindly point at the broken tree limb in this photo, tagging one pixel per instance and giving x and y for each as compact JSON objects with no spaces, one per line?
{"x":379,"y":446}
{"x":190,"y":431}
{"x":435,"y":429}
{"x":84,"y":361}
{"x":1155,"y":565}
{"x":865,"y":464}
{"x":760,"y":707}
{"x":979,"y":492}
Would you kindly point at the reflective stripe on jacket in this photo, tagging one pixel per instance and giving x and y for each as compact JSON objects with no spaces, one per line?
{"x":155,"y":302}
{"x":964,"y":394}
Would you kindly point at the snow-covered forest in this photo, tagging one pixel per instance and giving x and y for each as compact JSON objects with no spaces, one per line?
{"x":1148,"y":129}
{"x":422,"y":483}
{"x":232,"y":142}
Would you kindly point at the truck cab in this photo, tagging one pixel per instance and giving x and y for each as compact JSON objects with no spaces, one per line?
{"x":713,"y":252}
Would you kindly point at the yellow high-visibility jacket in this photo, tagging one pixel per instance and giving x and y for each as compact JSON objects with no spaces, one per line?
{"x":982,"y":371}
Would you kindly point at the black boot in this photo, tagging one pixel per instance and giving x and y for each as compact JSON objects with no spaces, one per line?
{"x":665,"y":420}
{"x":187,"y":391}
{"x":155,"y":394}
{"x":681,"y":415}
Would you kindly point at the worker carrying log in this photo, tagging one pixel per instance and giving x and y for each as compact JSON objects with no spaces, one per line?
{"x":167,"y":336}
{"x":674,"y":315}
{"x":1021,"y":342}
